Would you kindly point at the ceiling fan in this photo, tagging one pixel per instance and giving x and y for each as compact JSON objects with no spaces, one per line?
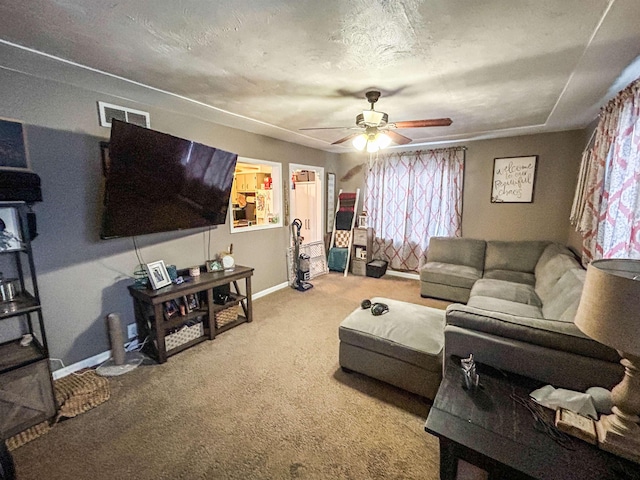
{"x":375,"y":130}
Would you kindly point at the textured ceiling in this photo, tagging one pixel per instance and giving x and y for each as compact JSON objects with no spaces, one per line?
{"x":496,"y":67}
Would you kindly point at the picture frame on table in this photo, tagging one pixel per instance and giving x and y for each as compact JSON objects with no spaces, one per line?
{"x":214,"y":265}
{"x":191,"y":302}
{"x":171,"y":309}
{"x":10,"y":237}
{"x":158,"y":275}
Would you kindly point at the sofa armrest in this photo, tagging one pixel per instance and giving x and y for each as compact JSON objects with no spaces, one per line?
{"x":554,"y":334}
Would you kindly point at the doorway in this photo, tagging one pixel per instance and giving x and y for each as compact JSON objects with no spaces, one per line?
{"x":306,"y":200}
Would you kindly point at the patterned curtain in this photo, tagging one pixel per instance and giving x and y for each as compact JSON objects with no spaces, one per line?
{"x":610,"y":221}
{"x":411,"y":197}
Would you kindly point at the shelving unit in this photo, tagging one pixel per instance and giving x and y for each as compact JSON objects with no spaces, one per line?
{"x":26,"y":386}
{"x":362,"y":245}
{"x":149,"y":309}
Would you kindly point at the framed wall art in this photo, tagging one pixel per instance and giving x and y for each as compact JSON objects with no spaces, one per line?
{"x":513,"y":179}
{"x":13,"y":152}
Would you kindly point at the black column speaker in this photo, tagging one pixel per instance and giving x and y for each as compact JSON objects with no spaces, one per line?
{"x":32,"y":226}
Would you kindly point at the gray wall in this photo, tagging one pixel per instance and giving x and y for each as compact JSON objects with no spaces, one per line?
{"x":547,"y":218}
{"x":83,"y":278}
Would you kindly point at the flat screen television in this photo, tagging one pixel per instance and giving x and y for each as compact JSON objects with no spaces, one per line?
{"x":156,"y":182}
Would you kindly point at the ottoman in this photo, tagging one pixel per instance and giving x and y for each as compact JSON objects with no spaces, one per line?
{"x":402,"y":347}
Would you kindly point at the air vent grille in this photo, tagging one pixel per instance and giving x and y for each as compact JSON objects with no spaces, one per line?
{"x":109,"y":111}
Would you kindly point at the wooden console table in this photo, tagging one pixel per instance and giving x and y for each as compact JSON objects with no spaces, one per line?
{"x":149,"y":309}
{"x":492,"y":430}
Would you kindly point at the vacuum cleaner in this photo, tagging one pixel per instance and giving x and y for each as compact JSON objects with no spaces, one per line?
{"x":301,"y":260}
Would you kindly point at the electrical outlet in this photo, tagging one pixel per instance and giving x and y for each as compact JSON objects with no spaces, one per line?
{"x":132,"y":330}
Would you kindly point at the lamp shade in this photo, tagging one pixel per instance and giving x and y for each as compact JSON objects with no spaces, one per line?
{"x":609,"y":309}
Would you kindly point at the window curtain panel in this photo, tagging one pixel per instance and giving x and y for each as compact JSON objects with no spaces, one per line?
{"x":411,"y":197}
{"x":610,"y":221}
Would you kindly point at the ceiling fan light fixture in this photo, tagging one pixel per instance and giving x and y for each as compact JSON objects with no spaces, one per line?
{"x":371,"y":117}
{"x":360,"y":142}
{"x":383,"y":140}
{"x":376,"y":125}
{"x":371,"y":142}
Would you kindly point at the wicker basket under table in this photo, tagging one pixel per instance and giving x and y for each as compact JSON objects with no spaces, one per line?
{"x":227,"y":315}
{"x":184,"y":335}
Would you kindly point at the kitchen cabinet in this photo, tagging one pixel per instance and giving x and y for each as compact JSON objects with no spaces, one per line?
{"x":305,"y":197}
{"x":249,"y":182}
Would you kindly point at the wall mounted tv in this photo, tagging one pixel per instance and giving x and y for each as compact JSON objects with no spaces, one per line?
{"x":156,"y":182}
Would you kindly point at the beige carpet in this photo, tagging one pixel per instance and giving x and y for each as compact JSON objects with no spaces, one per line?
{"x":265,"y":400}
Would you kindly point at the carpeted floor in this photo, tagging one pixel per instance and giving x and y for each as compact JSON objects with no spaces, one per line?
{"x":265,"y":400}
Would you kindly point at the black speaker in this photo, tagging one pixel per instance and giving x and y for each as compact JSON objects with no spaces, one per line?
{"x":222,"y":294}
{"x":32,"y":226}
{"x":222,"y":290}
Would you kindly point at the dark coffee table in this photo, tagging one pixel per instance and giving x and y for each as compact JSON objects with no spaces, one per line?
{"x":493,"y":430}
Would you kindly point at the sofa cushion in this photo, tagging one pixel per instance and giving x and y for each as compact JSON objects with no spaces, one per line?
{"x":551,"y":270}
{"x":549,"y":252}
{"x":554,"y":334}
{"x":498,"y":305}
{"x":512,"y":291}
{"x":511,"y":276}
{"x":457,"y":251}
{"x":565,"y":296}
{"x":449,"y":274}
{"x":519,"y":256}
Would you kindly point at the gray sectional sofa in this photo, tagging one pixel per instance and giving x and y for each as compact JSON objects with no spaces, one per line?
{"x":521,"y":298}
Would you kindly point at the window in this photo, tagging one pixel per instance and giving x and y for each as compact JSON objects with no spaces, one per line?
{"x":411,"y":197}
{"x":606,"y":207}
{"x":256,"y":195}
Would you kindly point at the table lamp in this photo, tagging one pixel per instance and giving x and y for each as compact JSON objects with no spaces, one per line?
{"x":609,"y":312}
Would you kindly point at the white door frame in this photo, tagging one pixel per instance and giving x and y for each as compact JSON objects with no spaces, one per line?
{"x":321,"y":198}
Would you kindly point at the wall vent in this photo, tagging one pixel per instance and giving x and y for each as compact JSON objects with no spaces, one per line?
{"x":109,"y":111}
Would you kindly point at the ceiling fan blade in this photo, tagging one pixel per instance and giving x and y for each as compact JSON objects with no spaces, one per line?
{"x":327,"y":128}
{"x":397,"y":138}
{"x":348,"y":137}
{"x":433,"y":122}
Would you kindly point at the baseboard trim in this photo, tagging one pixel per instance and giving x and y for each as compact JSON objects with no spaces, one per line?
{"x":104,"y":356}
{"x":86,"y":363}
{"x":269,"y":290}
{"x":412,"y":276}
